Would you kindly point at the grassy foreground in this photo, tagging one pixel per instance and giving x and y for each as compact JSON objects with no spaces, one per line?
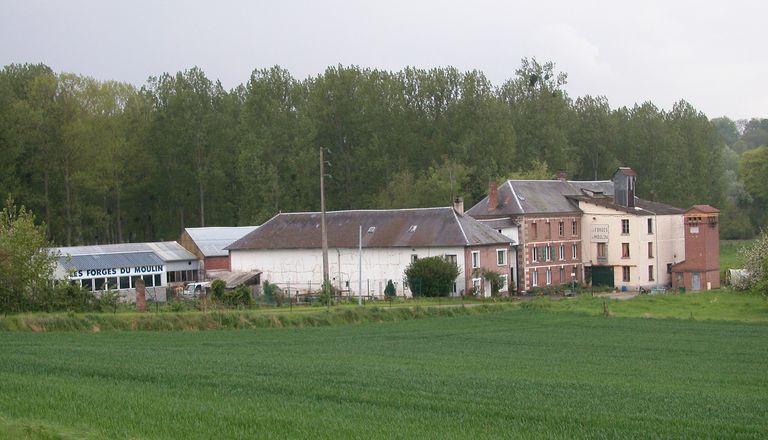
{"x":510,"y":374}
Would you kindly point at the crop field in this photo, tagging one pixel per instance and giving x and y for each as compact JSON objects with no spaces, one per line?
{"x":506,"y":374}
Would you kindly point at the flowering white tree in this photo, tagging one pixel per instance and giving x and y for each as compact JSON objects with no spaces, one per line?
{"x":754,"y":260}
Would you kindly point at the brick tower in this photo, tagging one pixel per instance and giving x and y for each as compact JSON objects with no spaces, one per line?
{"x":701,"y":268}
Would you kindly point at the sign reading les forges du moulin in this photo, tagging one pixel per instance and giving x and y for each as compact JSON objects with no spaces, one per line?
{"x":598,"y":234}
{"x":117,"y":271}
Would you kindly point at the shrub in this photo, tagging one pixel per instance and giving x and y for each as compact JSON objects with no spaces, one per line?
{"x":273,"y":294}
{"x":432,"y":276}
{"x":217,"y":290}
{"x":241,"y":296}
{"x":494,"y":279}
{"x":390,"y":291}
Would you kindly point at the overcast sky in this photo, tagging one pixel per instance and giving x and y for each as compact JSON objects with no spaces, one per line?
{"x":712,"y":54}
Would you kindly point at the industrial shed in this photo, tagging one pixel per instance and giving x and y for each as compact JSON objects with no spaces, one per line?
{"x":209,"y":244}
{"x":119,"y":266}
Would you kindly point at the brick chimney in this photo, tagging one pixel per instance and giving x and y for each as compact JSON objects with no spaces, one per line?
{"x":493,"y":196}
{"x":458,"y":205}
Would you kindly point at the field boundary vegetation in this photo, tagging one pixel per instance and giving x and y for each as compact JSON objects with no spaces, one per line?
{"x":234,"y":319}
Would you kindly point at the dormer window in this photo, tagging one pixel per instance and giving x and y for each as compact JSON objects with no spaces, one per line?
{"x":413,"y":228}
{"x":372,"y":229}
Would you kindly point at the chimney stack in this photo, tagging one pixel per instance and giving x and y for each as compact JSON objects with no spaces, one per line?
{"x":493,"y":196}
{"x":458,"y":205}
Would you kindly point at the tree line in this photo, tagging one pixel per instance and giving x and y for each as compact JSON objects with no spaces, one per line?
{"x":106,"y":162}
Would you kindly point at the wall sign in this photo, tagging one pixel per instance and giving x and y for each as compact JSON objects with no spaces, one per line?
{"x":598,"y":234}
{"x":116,"y":271}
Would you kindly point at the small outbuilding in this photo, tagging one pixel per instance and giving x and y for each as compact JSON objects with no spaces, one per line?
{"x":209,"y":244}
{"x":701,"y":267}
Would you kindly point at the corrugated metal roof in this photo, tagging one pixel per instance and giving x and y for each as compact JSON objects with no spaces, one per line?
{"x":642,"y":207}
{"x":167,"y":251}
{"x":419,"y":227}
{"x":102,"y":261}
{"x":212,"y":240}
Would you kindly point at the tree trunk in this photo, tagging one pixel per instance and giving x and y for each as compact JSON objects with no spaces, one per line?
{"x":68,"y":191}
{"x":202,"y":202}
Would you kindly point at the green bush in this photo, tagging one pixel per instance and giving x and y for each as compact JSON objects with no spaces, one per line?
{"x":432,"y":276}
{"x":241,"y":296}
{"x":390,"y":291}
{"x":273,"y":294}
{"x":494,"y":279}
{"x":217,"y":290}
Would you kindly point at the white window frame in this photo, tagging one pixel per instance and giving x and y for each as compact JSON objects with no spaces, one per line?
{"x":505,"y":280}
{"x":414,"y":258}
{"x":534,"y":278}
{"x":503,"y":254}
{"x":535,"y":254}
{"x":624,"y":221}
{"x":548,"y":252}
{"x":562,"y":252}
{"x":575,"y":251}
{"x":475,"y":259}
{"x":477,"y":285}
{"x":549,"y":276}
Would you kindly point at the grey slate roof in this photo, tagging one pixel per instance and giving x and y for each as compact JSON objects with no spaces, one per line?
{"x":212,"y":240}
{"x":132,"y":259}
{"x":167,"y":251}
{"x":519,"y":197}
{"x":419,"y":227}
{"x":537,"y":197}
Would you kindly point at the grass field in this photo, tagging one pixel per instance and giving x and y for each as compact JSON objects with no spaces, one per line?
{"x":510,"y":374}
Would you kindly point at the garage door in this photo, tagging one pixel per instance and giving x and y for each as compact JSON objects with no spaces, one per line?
{"x":602,"y":276}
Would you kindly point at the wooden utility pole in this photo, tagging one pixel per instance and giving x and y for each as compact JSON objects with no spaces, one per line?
{"x":323,"y":231}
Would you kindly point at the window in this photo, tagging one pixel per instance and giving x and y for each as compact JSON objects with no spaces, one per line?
{"x":574,"y":228}
{"x":562,"y":228}
{"x":476,"y":285}
{"x":149,"y":281}
{"x":413,"y":228}
{"x":602,"y":250}
{"x":694,"y":229}
{"x":372,"y":229}
{"x":534,"y":277}
{"x":625,"y":274}
{"x":475,"y":259}
{"x":451,"y":259}
{"x":669,"y":267}
{"x":625,"y":226}
{"x":650,"y":226}
{"x":650,"y":249}
{"x":504,"y":283}
{"x":157,"y":280}
{"x":548,"y":253}
{"x":562,"y":274}
{"x":549,"y":276}
{"x":534,"y":231}
{"x":575,"y":251}
{"x":534,"y":254}
{"x":625,"y":250}
{"x":124,"y":283}
{"x":414,"y":257}
{"x":650,"y":273}
{"x":562,"y":252}
{"x":501,"y":257}
{"x":548,"y":230}
{"x":112,"y":283}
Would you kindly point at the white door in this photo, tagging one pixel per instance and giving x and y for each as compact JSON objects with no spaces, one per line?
{"x":696,"y":281}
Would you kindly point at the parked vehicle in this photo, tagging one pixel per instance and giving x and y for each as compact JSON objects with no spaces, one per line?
{"x":194,"y":290}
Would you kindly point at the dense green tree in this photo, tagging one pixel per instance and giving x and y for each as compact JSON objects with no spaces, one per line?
{"x":431,"y":276}
{"x":26,"y":265}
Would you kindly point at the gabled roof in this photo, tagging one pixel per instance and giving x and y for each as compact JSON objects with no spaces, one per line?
{"x":166,"y":250}
{"x":212,"y":240}
{"x":419,"y":227}
{"x":519,"y":197}
{"x":705,"y":209}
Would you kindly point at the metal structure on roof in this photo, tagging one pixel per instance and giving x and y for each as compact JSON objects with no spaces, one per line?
{"x":129,"y":259}
{"x":167,"y":251}
{"x":212,"y":241}
{"x":435,"y":227}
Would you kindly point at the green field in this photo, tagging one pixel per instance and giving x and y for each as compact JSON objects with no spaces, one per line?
{"x":510,"y":374}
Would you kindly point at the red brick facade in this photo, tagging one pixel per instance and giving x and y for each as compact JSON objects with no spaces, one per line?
{"x":550,"y":251}
{"x":701,"y":268}
{"x":488,"y":261}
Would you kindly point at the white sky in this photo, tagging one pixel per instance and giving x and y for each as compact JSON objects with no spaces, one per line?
{"x":712,"y":54}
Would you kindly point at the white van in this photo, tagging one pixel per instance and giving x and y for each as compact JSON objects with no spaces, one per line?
{"x":194,"y":290}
